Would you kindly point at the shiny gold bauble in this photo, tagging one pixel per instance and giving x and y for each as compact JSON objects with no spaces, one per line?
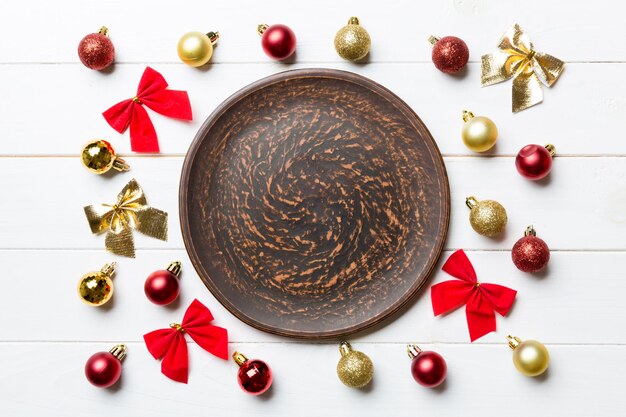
{"x":99,"y":157}
{"x":196,"y":48}
{"x":352,"y":42}
{"x":355,"y":369}
{"x":96,"y":288}
{"x":530,"y":357}
{"x":479,"y":133}
{"x":487,"y":217}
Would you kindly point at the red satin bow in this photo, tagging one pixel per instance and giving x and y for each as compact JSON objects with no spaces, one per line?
{"x":152,"y":92}
{"x":481,"y":300}
{"x":170,"y":344}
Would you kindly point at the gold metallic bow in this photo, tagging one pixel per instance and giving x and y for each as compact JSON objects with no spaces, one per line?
{"x":518,"y":60}
{"x":131,"y":211}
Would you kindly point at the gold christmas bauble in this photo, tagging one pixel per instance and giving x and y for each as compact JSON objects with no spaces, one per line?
{"x":352,"y":41}
{"x":99,"y":157}
{"x":196,"y":48}
{"x":96,"y":288}
{"x":530,"y":357}
{"x":487,"y":217}
{"x":479,"y":133}
{"x":355,"y":369}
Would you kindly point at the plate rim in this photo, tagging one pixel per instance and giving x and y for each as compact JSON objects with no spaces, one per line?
{"x":394,"y":309}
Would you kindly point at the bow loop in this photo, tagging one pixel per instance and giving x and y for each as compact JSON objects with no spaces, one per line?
{"x":482,"y":300}
{"x":518,"y":59}
{"x":153,"y":93}
{"x":130,"y":211}
{"x":170,"y":345}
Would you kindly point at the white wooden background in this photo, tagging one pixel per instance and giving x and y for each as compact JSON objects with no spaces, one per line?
{"x":50,"y":105}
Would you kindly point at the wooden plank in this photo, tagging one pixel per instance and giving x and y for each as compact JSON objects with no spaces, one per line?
{"x":55,"y":109}
{"x":480,"y":378}
{"x":580,"y":206}
{"x":148,"y":30}
{"x":46,"y":281}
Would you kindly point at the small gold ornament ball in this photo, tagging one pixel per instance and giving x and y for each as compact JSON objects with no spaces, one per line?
{"x":352,"y":41}
{"x":487,"y":217}
{"x":98,"y":156}
{"x":479,"y":133}
{"x":196,"y":48}
{"x":96,"y":288}
{"x":531,"y":358}
{"x":355,"y":369}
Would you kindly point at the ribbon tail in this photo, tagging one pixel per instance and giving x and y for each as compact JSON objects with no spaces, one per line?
{"x":175,"y":364}
{"x":152,"y":222}
{"x":479,"y":322}
{"x":495,"y":68}
{"x":500,"y":297}
{"x":527,"y":91}
{"x":170,"y":103}
{"x":121,"y":243}
{"x":143,"y":137}
{"x":99,"y":218}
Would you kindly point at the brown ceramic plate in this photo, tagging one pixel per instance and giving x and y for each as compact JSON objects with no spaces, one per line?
{"x":314,"y":203}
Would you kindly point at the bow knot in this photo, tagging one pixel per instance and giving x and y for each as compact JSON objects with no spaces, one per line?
{"x":171,"y":346}
{"x":154,"y":94}
{"x":130,"y":211}
{"x":482,"y":300}
{"x":529,"y":69}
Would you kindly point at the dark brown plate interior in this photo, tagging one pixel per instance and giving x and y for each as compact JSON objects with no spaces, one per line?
{"x":314,"y":203}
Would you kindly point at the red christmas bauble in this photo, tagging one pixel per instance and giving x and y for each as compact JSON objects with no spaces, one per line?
{"x":162,"y":287}
{"x":530,"y":253}
{"x":278,"y":41}
{"x":429,"y":369}
{"x":254,"y":376}
{"x":103,"y":369}
{"x":534,"y":161}
{"x":96,"y":51}
{"x":450,"y":54}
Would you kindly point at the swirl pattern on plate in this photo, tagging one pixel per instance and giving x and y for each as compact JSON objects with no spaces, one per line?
{"x":319,"y":202}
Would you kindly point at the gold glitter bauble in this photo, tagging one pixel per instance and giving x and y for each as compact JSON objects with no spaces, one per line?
{"x":530,"y":357}
{"x":196,"y":48}
{"x":352,"y":42}
{"x":99,"y":157}
{"x":487,"y":217}
{"x":479,"y":133}
{"x":355,"y":369}
{"x":96,"y":288}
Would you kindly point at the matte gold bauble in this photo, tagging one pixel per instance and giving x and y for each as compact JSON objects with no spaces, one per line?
{"x":196,"y":48}
{"x":355,"y":369}
{"x":530,"y":357}
{"x":352,"y":41}
{"x":487,"y":217}
{"x":96,"y":288}
{"x":99,"y":157}
{"x":479,"y":133}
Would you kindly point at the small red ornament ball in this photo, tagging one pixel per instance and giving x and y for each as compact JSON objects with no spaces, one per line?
{"x":96,"y":51}
{"x":162,"y":287}
{"x":450,"y":54}
{"x":530,"y":253}
{"x":103,"y":369}
{"x":429,"y":369}
{"x":254,"y":376}
{"x":534,"y":161}
{"x":278,"y":41}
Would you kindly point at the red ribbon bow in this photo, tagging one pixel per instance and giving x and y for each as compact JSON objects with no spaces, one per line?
{"x":481,"y":300}
{"x":170,"y":344}
{"x":152,"y":92}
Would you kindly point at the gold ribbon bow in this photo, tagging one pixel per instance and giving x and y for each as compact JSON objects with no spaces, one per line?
{"x":131,"y":211}
{"x":517,"y":59}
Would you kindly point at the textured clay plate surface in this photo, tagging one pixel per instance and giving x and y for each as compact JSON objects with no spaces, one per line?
{"x":314,"y":203}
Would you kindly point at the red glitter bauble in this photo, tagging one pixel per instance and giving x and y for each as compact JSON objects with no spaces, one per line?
{"x":450,"y":54}
{"x":162,"y":287}
{"x":429,"y":369}
{"x":96,"y":51}
{"x":530,"y":254}
{"x":278,"y":41}
{"x":103,"y":369}
{"x":534,"y":161}
{"x":254,"y":377}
